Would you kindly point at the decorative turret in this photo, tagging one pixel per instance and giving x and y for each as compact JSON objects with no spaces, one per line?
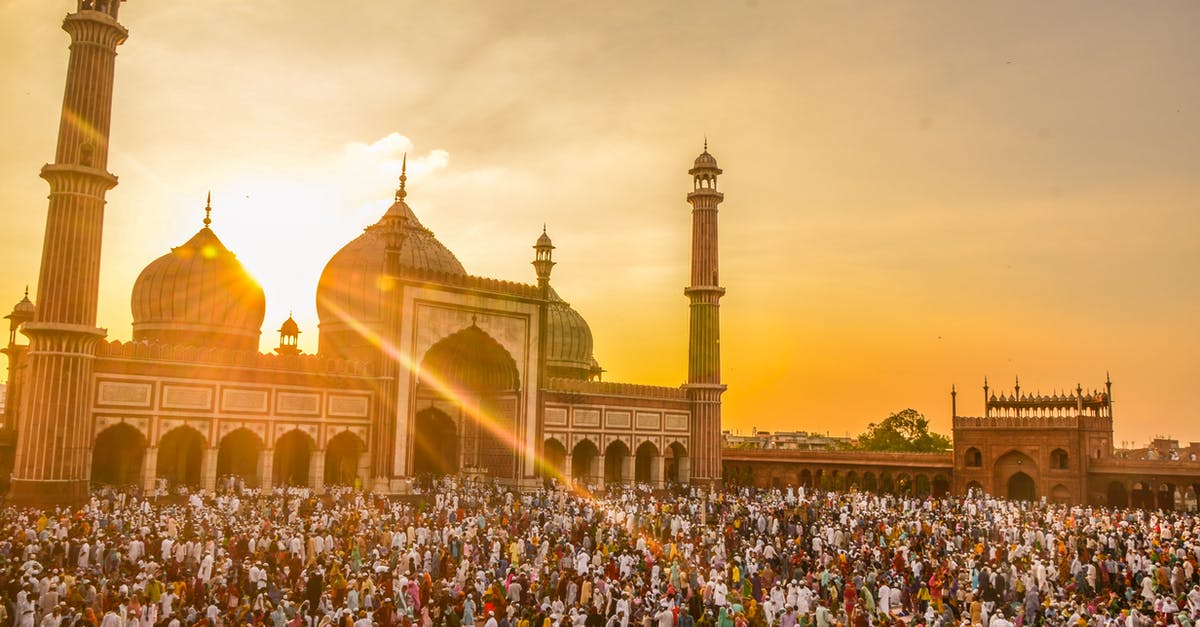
{"x":289,"y":337}
{"x":543,"y":259}
{"x":22,"y":312}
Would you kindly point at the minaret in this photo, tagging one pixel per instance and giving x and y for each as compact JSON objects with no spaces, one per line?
{"x":704,"y":346}
{"x":54,"y":441}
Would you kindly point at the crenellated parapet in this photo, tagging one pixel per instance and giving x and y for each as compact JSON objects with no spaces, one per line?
{"x":474,"y":283}
{"x":609,"y":388}
{"x":310,"y":364}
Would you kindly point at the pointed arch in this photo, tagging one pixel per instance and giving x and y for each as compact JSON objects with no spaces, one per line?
{"x":616,"y":455}
{"x":585,"y":461}
{"x":647,"y":467}
{"x":553,"y":462}
{"x":237,"y":455}
{"x":180,"y":456}
{"x":345,"y":455}
{"x":293,"y":454}
{"x":117,"y":455}
{"x":676,"y":466}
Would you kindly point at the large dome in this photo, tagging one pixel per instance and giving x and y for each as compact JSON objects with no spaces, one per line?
{"x":353,"y":286}
{"x":568,"y":342}
{"x":198,"y":294}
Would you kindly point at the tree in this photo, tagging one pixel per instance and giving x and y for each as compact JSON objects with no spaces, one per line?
{"x":903,"y":431}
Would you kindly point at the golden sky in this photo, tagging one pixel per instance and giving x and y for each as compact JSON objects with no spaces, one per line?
{"x":917,"y":194}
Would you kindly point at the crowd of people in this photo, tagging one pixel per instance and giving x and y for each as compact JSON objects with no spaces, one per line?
{"x":480,"y":555}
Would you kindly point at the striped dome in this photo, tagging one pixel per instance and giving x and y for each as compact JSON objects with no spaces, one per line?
{"x":198,"y":294}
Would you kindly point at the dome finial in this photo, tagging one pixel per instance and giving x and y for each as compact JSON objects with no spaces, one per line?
{"x":208,"y":210}
{"x":706,"y":142}
{"x":401,"y":193}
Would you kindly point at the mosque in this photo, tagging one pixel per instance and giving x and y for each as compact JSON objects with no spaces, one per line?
{"x":421,"y":367}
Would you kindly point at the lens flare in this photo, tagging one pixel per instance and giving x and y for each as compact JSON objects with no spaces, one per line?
{"x":465,"y":401}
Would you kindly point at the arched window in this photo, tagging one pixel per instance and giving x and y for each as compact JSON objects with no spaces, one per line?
{"x":1059,"y":459}
{"x":974,"y":458}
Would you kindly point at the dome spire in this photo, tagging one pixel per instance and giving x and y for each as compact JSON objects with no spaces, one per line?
{"x":208,"y":210}
{"x":401,"y":193}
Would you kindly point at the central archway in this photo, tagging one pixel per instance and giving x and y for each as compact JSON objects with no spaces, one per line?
{"x":435,"y":443}
{"x":476,"y":374}
{"x":1021,"y":487}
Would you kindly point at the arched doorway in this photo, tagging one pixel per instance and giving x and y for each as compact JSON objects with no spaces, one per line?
{"x":475,"y":373}
{"x":645,"y":465}
{"x":293,"y":452}
{"x":238,"y":456}
{"x":343,"y":455}
{"x":1117,"y":495}
{"x":554,"y":459}
{"x":1005,"y":471}
{"x":117,"y":456}
{"x":941,"y":486}
{"x":1021,"y":487}
{"x":921,"y":487}
{"x":1142,"y":496}
{"x":585,"y":459}
{"x":1060,"y":494}
{"x":435,"y":443}
{"x":869,"y":483}
{"x":1166,"y":497}
{"x":887,"y":485}
{"x":675,"y":467}
{"x":614,"y":462}
{"x":806,"y":478}
{"x":180,"y":453}
{"x":974,"y":489}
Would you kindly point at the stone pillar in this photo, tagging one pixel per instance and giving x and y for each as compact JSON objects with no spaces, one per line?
{"x":684,"y":465}
{"x":316,"y":471}
{"x":208,"y":469}
{"x":266,"y":461}
{"x":149,"y":469}
{"x":627,"y":469}
{"x":657,"y":466}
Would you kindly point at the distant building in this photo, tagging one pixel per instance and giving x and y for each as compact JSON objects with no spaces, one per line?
{"x":785,"y":440}
{"x":1058,"y":447}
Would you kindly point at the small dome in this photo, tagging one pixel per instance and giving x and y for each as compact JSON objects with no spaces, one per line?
{"x":568,"y":341}
{"x":24,"y":307}
{"x":289,"y":327}
{"x":543,"y":241}
{"x":706,"y":160}
{"x":353,"y":285}
{"x":198,"y":294}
